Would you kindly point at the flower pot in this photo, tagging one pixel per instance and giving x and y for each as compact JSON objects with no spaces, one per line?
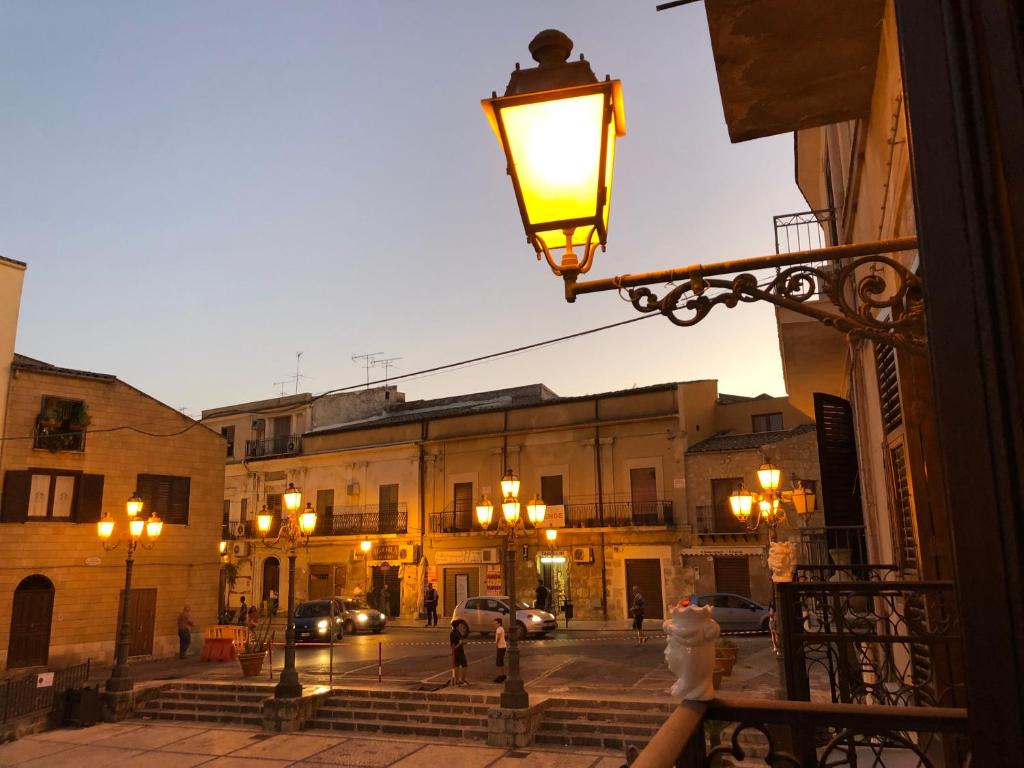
{"x":727,"y":651}
{"x":251,"y":663}
{"x":725,"y":662}
{"x":716,"y":676}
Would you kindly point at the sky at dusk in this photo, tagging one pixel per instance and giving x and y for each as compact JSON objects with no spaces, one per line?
{"x":203,"y":189}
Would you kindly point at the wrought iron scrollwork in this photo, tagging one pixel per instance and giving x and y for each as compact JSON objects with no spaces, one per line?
{"x":875,"y":296}
{"x":734,"y":750}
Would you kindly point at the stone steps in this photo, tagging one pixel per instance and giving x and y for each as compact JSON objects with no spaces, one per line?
{"x":607,"y":724}
{"x":208,"y":703}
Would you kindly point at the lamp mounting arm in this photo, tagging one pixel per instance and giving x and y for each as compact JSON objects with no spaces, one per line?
{"x":874,"y":295}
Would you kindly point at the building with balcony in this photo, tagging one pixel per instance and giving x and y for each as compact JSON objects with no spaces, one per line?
{"x":613,"y":469}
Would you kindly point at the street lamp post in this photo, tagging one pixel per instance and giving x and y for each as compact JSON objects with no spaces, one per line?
{"x":142,"y":533}
{"x":295,"y":528}
{"x":513,"y":695}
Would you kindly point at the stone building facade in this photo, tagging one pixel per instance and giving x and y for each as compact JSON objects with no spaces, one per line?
{"x":614,"y":470}
{"x":76,"y":446}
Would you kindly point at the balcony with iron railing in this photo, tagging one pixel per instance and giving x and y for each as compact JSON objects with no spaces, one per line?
{"x":364,"y":519}
{"x":278,"y":445}
{"x":712,"y":530}
{"x":804,"y":231}
{"x":578,"y":512}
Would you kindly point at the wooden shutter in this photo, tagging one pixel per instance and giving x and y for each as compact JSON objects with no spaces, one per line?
{"x":179,"y":489}
{"x":837,"y":458}
{"x":90,"y":499}
{"x":888,"y":387}
{"x":14,"y":504}
{"x":732,"y":574}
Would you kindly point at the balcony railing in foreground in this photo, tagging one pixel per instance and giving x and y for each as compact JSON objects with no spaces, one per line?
{"x":831,"y":545}
{"x":798,"y":734}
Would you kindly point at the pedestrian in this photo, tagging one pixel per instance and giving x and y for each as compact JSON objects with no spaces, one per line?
{"x":253,"y":619}
{"x":501,"y":646}
{"x":385,"y":601}
{"x":185,"y":625}
{"x":430,"y":597}
{"x":459,"y":661}
{"x":243,"y":612}
{"x":272,"y":601}
{"x":541,"y":596}
{"x":637,"y":609}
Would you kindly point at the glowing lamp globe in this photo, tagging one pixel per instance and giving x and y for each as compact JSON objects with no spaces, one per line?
{"x":741,"y":502}
{"x":134,"y":505}
{"x":222,"y":547}
{"x":154,"y":527}
{"x":105,"y":527}
{"x":510,"y":485}
{"x":307,"y":520}
{"x":365,"y":546}
{"x":551,"y":534}
{"x":768,"y":476}
{"x":511,"y":510}
{"x":803,"y":499}
{"x":557,"y":125}
{"x":136,"y":526}
{"x":535,"y":510}
{"x":484,"y":511}
{"x":263,"y":521}
{"x":292,"y":498}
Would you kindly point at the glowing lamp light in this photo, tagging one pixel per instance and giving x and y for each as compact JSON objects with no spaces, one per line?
{"x":741,"y":501}
{"x":134,"y":505}
{"x":557,"y":126}
{"x":484,"y":511}
{"x":136,"y":526}
{"x":307,"y":520}
{"x":768,"y":476}
{"x":535,"y":510}
{"x":263,"y":521}
{"x":803,"y":499}
{"x":551,"y":534}
{"x":154,"y":527}
{"x":510,"y":485}
{"x":105,"y":527}
{"x":292,"y":498}
{"x":223,"y":547}
{"x":511,"y":509}
{"x":365,"y":546}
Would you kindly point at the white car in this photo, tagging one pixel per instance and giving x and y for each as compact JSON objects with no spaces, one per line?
{"x":477,"y":614}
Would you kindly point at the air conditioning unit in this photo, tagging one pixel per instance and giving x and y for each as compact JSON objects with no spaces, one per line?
{"x":489,"y":555}
{"x":352,"y":489}
{"x":407,"y":554}
{"x":583,"y":554}
{"x":239,"y":529}
{"x":240,"y":549}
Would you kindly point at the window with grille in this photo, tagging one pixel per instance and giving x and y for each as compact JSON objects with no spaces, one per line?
{"x":61,"y":424}
{"x":166,"y":495}
{"x":766,"y":422}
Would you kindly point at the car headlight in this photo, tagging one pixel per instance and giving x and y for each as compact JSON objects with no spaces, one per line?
{"x":362,"y":618}
{"x":536,"y":619}
{"x":322,"y":625}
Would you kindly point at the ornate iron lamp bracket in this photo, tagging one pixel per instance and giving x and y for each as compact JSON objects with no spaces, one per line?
{"x":872,"y":296}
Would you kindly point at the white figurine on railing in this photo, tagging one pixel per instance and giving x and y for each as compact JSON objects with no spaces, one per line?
{"x":690,"y":653}
{"x":782,"y":560}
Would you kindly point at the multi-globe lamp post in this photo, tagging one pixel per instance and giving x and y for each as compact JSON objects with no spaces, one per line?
{"x":141,"y":533}
{"x":766,"y":507}
{"x":513,"y":695}
{"x":296,"y":527}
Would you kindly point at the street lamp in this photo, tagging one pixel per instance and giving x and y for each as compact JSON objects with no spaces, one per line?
{"x":295,"y":528}
{"x":514,"y":694}
{"x":766,"y":508}
{"x":557,"y":125}
{"x":141,"y":533}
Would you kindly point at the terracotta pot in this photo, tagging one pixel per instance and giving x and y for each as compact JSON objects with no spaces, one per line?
{"x":716,"y":677}
{"x":251,"y":663}
{"x":726,"y":663}
{"x":732,"y":652}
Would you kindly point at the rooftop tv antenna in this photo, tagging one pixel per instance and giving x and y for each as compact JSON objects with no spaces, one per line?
{"x":297,"y":377}
{"x":367,"y":363}
{"x":386,"y":363}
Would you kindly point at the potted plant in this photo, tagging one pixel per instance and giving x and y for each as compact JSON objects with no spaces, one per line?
{"x":726,"y":647}
{"x":255,"y":650}
{"x":80,"y":418}
{"x":724,"y":661}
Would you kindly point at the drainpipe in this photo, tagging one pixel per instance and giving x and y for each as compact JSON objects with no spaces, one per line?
{"x":600,"y":512}
{"x":423,"y":506}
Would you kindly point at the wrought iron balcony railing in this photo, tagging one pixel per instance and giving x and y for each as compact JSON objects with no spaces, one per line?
{"x":455,"y":518}
{"x":279,"y":445}
{"x":831,"y":545}
{"x":364,"y":519}
{"x":722,"y":528}
{"x":610,"y":512}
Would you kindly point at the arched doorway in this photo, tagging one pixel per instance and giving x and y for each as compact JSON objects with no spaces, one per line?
{"x":271,"y":578}
{"x":29,"y":644}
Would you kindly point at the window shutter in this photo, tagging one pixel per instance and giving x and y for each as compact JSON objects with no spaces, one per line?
{"x":888,"y":387}
{"x":14,"y":504}
{"x":178,"y":490}
{"x":90,"y":499}
{"x":837,"y":457}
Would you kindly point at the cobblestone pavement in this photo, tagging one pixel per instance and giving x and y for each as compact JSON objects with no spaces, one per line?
{"x":169,"y":745}
{"x":586,"y":663}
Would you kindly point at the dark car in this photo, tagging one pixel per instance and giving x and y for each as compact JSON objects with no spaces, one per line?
{"x":313,"y":622}
{"x":734,"y":612}
{"x":358,"y":617}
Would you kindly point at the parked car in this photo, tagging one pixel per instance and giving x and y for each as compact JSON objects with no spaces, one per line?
{"x":313,"y":621}
{"x":477,"y":614}
{"x":734,"y":612}
{"x":358,"y":617}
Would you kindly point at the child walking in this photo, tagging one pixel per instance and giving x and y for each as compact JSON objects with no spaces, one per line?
{"x":501,"y":646}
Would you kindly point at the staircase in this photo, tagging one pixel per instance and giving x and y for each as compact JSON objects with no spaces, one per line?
{"x":208,"y":703}
{"x":420,"y":713}
{"x":611,"y":725}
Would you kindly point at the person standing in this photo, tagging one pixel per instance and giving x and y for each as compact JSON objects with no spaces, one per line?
{"x":541,"y":596}
{"x":185,"y":625}
{"x":637,"y":609}
{"x":459,"y":660}
{"x":243,"y":612}
{"x":501,"y":646}
{"x":272,"y":601}
{"x":385,"y":601}
{"x":430,"y":597}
